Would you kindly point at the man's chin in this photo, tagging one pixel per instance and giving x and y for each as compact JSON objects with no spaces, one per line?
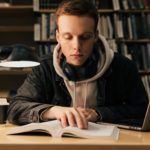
{"x":77,"y":64}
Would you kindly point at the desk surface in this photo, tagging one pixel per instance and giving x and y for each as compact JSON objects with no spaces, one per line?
{"x":127,"y":140}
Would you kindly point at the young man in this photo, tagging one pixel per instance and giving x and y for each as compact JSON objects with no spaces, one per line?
{"x":84,"y":80}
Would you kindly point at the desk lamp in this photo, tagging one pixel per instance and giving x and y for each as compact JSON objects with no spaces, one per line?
{"x":19,"y":56}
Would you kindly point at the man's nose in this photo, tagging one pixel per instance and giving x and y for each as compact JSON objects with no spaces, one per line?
{"x":77,"y":44}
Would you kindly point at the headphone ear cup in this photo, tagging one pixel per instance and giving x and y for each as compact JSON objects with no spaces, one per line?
{"x":69,"y":71}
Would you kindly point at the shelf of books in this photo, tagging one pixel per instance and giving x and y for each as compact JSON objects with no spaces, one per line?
{"x":127,"y":29}
{"x":45,"y":27}
{"x":16,"y":27}
{"x":124,"y":23}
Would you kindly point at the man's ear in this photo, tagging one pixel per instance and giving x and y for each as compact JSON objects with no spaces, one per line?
{"x":57,"y":36}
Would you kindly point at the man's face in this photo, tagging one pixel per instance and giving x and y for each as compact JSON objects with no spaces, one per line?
{"x":76,"y":36}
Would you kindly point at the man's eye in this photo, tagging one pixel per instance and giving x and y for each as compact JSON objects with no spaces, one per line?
{"x":86,"y":37}
{"x":67,"y":37}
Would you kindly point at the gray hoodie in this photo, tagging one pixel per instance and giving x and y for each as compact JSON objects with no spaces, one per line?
{"x":84,"y":92}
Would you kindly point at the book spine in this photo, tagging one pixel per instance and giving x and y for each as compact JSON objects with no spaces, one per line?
{"x":52,"y":26}
{"x":36,"y":5}
{"x":134,"y":27}
{"x":110,"y":27}
{"x":145,"y":4}
{"x":130,"y":27}
{"x":43,"y":27}
{"x":124,"y":4}
{"x":37,"y":29}
{"x":141,"y":4}
{"x":131,"y":4}
{"x":116,"y":4}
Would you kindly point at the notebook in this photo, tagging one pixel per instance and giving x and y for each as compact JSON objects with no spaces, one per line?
{"x":139,"y":125}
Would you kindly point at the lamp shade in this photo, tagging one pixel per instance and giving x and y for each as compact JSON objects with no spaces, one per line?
{"x":21,"y":56}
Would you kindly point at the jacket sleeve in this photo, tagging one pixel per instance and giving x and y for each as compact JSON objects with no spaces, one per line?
{"x":30,"y":100}
{"x":130,"y":105}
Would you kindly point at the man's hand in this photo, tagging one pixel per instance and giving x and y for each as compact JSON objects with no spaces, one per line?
{"x":89,"y":113}
{"x":68,"y":116}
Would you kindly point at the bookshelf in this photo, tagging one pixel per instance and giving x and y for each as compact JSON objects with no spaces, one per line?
{"x":128,"y":30}
{"x":16,"y":21}
{"x":16,"y":27}
{"x":44,"y":27}
{"x":115,"y":23}
{"x":124,"y":23}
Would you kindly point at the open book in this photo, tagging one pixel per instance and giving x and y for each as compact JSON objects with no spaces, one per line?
{"x":55,"y":130}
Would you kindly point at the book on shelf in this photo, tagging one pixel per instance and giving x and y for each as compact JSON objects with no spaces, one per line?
{"x":116,"y":4}
{"x":37,"y":28}
{"x":110,"y":27}
{"x":103,"y":29}
{"x":130,"y":34}
{"x":37,"y":34}
{"x":141,"y":4}
{"x":36,"y":5}
{"x":131,"y":4}
{"x":45,"y":26}
{"x":118,"y":26}
{"x":124,"y":4}
{"x":52,"y":24}
{"x":134,"y":26}
{"x":146,"y":4}
{"x":44,"y":18}
{"x":105,"y":26}
{"x":55,"y":129}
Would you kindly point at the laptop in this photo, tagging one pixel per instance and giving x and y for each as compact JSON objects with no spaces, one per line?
{"x":138,"y":125}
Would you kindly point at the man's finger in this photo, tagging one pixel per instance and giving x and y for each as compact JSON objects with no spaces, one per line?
{"x":71,"y":119}
{"x":80,"y":119}
{"x":64,"y":120}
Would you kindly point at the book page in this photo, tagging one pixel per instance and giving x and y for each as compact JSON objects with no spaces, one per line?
{"x":94,"y":131}
{"x":51,"y":127}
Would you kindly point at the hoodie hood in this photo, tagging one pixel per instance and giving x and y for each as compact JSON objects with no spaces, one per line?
{"x":106,"y":56}
{"x":82,"y":92}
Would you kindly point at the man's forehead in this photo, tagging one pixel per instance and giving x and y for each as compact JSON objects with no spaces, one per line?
{"x":69,"y":19}
{"x":75,"y":24}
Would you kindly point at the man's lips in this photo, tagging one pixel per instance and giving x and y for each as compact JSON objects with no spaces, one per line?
{"x":77,"y":55}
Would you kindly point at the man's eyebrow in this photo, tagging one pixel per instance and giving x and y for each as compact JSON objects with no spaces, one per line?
{"x":66,"y":33}
{"x":79,"y":35}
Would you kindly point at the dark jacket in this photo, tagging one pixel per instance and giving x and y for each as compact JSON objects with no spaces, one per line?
{"x":121,"y":94}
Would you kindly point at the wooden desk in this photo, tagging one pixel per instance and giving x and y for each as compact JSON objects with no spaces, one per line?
{"x":128,"y":140}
